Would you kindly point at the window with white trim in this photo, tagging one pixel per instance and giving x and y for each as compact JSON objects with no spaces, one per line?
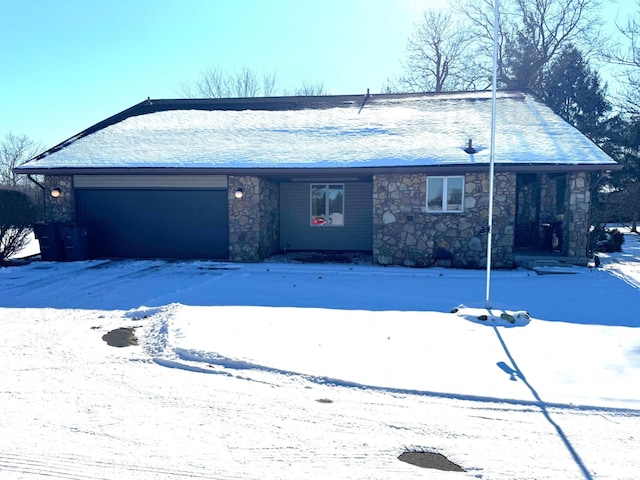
{"x":327,"y":204}
{"x":445,"y":194}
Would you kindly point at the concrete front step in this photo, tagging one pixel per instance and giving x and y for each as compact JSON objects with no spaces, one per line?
{"x":531,"y":262}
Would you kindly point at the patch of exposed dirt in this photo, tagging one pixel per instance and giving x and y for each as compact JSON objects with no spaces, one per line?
{"x":353,"y":258}
{"x":430,"y":460}
{"x":120,"y":337}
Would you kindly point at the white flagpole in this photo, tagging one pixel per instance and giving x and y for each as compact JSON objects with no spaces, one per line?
{"x":493,"y":145}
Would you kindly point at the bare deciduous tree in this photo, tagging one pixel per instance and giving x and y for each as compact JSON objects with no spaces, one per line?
{"x":310,"y":89}
{"x":215,"y":83}
{"x":245,"y":83}
{"x":14,"y":151}
{"x":269,"y":84}
{"x":439,"y":58}
{"x":626,"y":55}
{"x":211,"y":84}
{"x":531,"y":34}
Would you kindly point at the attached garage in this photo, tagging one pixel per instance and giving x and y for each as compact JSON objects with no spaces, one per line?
{"x":158,"y":217}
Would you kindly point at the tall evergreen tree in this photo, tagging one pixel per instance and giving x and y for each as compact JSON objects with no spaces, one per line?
{"x":575,"y":92}
{"x":522,"y":62}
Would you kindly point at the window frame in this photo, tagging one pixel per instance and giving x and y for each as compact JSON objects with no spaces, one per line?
{"x":326,"y":186}
{"x":445,"y":193}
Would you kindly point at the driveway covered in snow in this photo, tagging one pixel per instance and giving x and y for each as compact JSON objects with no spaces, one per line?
{"x":279,"y":370}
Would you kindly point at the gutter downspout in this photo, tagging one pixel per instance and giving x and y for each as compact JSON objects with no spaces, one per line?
{"x":44,"y":198}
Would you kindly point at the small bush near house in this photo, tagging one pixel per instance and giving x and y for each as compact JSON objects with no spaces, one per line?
{"x":17,"y":215}
{"x":606,"y":240}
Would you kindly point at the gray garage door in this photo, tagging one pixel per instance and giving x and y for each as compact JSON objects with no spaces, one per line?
{"x":146,"y":223}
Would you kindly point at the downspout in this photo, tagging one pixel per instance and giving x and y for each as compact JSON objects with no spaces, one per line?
{"x":44,"y":198}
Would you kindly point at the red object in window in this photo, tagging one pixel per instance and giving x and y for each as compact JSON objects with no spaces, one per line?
{"x":317,"y":221}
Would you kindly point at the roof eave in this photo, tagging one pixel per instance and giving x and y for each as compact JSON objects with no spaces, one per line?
{"x":452,"y":169}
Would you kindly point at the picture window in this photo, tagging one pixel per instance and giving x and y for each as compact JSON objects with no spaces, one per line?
{"x":327,"y":205}
{"x":445,"y":194}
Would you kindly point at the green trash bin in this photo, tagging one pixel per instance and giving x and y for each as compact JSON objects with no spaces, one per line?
{"x":74,"y":238}
{"x":51,"y":246}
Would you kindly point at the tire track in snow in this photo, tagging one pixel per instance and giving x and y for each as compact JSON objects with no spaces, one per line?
{"x":45,"y":272}
{"x":111,"y":274}
{"x":180,"y":357}
{"x":43,"y":467}
{"x":80,"y":468}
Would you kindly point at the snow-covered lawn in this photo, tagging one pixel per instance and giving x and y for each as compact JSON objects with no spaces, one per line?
{"x":291,"y":371}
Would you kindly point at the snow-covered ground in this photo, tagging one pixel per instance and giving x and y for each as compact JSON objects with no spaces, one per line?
{"x":290,"y":371}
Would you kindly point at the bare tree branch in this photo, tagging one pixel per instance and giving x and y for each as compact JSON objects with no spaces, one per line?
{"x":215,"y":83}
{"x":310,"y":89}
{"x":439,"y":58}
{"x":626,"y":55}
{"x":269,"y":84}
{"x":531,"y":34}
{"x":14,"y":151}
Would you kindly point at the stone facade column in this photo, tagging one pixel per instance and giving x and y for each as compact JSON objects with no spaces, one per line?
{"x":254,"y":219}
{"x":577,"y":216}
{"x":548,"y":208}
{"x":62,"y":208}
{"x":504,"y":220}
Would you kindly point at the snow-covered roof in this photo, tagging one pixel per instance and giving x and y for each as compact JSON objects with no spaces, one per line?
{"x":388,"y":131}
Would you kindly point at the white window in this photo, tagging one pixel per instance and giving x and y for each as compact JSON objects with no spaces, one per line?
{"x":445,"y":194}
{"x":327,"y":204}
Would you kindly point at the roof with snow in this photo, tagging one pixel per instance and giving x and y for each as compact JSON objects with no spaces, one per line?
{"x":396,"y":130}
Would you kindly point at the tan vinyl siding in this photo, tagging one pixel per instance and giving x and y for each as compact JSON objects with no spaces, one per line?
{"x":150,"y":181}
{"x":297,"y":233}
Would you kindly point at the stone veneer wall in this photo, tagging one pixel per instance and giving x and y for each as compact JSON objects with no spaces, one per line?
{"x":577,"y":218}
{"x":254,"y":219}
{"x":548,"y":208}
{"x":61,"y":209}
{"x":405,"y":234}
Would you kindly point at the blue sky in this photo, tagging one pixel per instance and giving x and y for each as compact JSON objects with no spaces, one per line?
{"x":67,"y":64}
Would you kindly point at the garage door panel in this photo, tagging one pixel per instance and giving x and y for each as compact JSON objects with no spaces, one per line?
{"x":155,"y":223}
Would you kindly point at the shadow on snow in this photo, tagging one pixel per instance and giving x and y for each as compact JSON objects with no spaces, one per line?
{"x":591,"y":297}
{"x":213,"y":360}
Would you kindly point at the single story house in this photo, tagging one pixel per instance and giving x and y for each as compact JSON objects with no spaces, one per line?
{"x":403,"y":176}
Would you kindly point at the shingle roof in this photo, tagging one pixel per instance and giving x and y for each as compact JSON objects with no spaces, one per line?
{"x":326,"y":132}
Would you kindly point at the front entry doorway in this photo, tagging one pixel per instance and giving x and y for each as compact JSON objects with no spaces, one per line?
{"x":540,"y":212}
